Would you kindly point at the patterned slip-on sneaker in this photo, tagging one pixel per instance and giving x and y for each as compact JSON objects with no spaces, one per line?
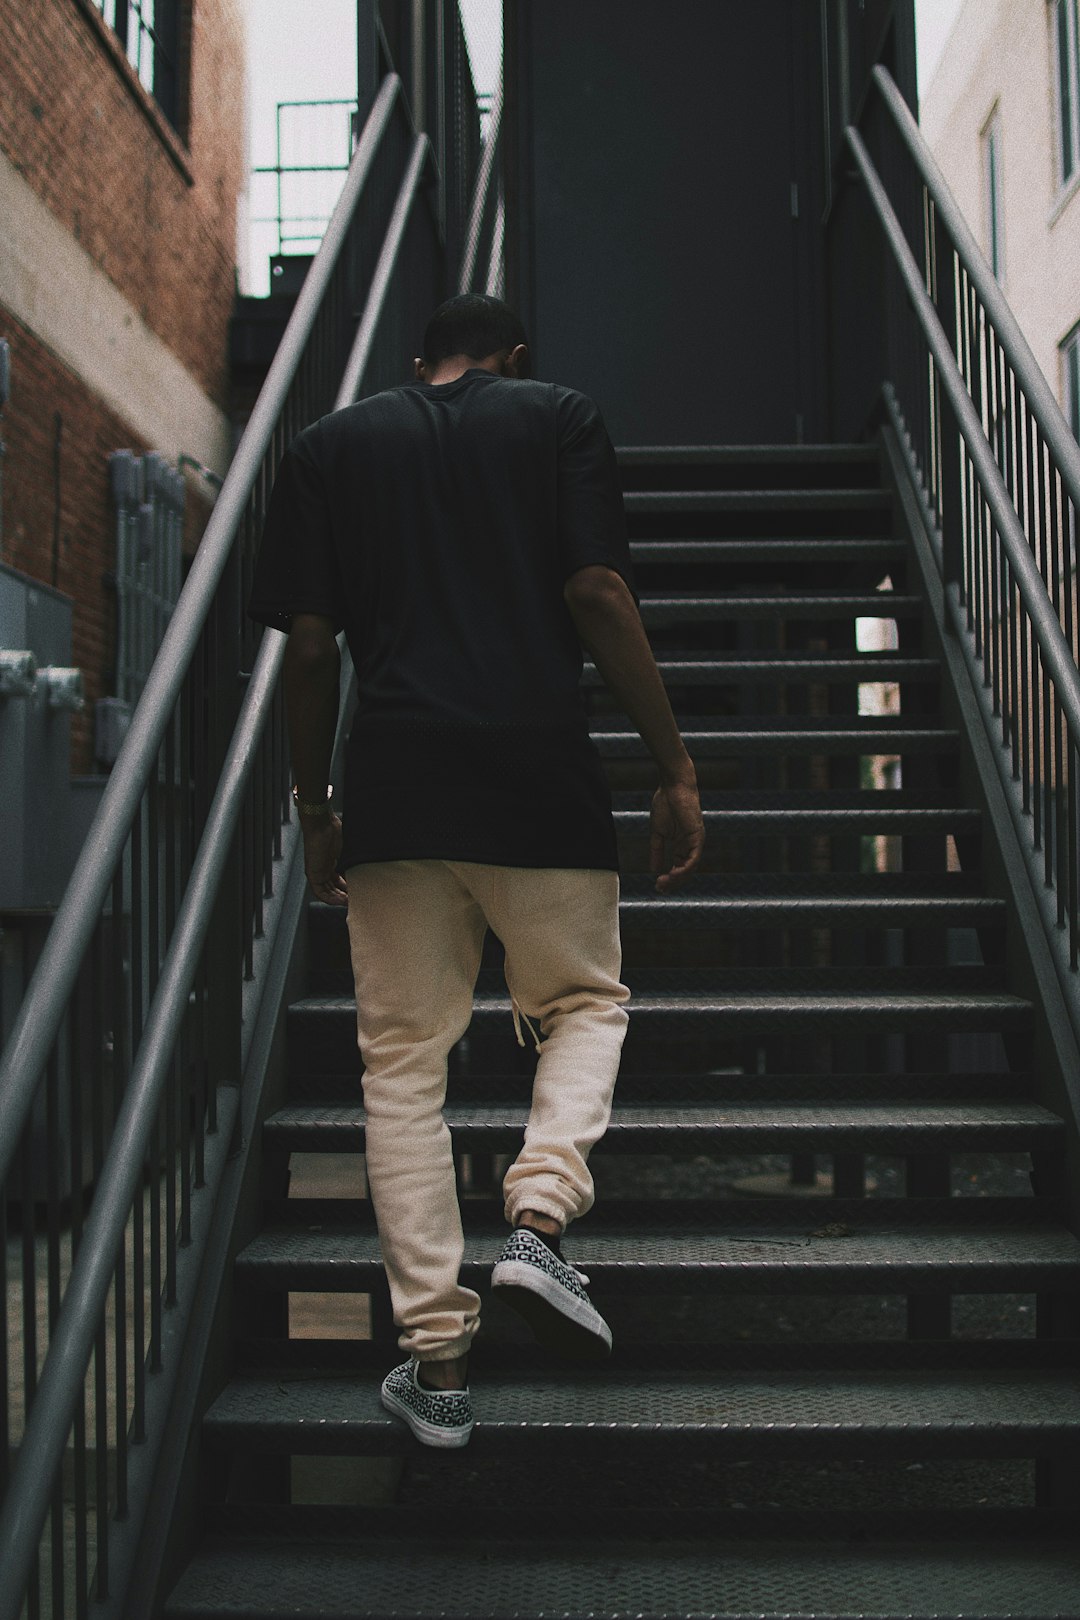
{"x":436,"y":1417}
{"x":551,"y":1296}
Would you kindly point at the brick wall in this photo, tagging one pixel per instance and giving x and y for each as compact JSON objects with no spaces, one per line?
{"x":155,"y":211}
{"x":58,"y":520}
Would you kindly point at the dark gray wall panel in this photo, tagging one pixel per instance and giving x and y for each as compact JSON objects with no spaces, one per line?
{"x":655,"y":253}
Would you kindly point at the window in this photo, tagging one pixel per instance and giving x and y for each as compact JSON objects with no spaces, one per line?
{"x":149,"y":31}
{"x":995,"y":218}
{"x":1070,"y":358}
{"x":1067,"y":54}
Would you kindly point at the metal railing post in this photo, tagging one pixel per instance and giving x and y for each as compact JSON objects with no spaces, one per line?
{"x":949,"y":442}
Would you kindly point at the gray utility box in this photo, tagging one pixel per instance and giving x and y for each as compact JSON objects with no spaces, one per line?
{"x":36,"y":703}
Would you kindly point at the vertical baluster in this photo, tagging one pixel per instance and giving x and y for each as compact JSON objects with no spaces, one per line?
{"x":247,"y":880}
{"x":104,"y":1043}
{"x":969,"y":472}
{"x":57,"y":1572}
{"x":30,"y":1333}
{"x":192,"y":831}
{"x":1070,"y":766}
{"x":1029,"y":699}
{"x":7,"y":1371}
{"x":137,"y":931}
{"x":1008,"y":667}
{"x":138,"y":1315}
{"x":80,"y":1072}
{"x":120,"y":1376}
{"x":29,"y":1267}
{"x":117,"y":996}
{"x":53,"y":1159}
{"x":1060,"y":796}
{"x":276,"y":765}
{"x":1048,"y":567}
{"x":994,"y":620}
{"x":157,"y":897}
{"x":1068,"y":561}
{"x":176,"y":819}
{"x":81,"y":1507}
{"x":101,"y":1445}
{"x":140,"y":948}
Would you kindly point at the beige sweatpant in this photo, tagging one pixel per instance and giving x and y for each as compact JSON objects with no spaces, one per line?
{"x":416,"y":930}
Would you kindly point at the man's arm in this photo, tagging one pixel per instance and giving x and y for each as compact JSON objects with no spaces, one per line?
{"x":609,"y":625}
{"x":312,"y":678}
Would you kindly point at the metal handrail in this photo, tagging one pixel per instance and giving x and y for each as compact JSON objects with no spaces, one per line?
{"x":30,"y":1489}
{"x":1044,"y":407}
{"x":486,"y":176}
{"x":28,"y":1497}
{"x":42,"y":1009}
{"x":1032,"y":586}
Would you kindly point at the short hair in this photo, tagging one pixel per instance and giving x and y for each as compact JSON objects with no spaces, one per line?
{"x":471,"y":324}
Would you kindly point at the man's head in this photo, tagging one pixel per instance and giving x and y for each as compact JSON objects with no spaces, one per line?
{"x":473,"y":330}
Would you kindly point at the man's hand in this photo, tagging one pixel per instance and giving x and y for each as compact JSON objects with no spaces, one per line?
{"x":676,"y":834}
{"x":322,"y":851}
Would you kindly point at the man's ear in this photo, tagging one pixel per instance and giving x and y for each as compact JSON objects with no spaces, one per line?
{"x":418,"y":370}
{"x":517,"y":362}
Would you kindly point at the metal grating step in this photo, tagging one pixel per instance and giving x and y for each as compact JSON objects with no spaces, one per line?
{"x":889,"y":1246}
{"x":425,"y":1579}
{"x":794,"y":909}
{"x":869,"y":819}
{"x":714,"y":1359}
{"x":734,"y":741}
{"x":788,"y":1013}
{"x":310,"y":1086}
{"x":677,"y":501}
{"x":657,"y":611}
{"x":793,"y":462}
{"x":879,"y":551}
{"x":765,"y":670}
{"x":898,"y":1413}
{"x":902,"y":1126}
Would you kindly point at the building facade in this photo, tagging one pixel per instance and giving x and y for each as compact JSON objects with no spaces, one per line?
{"x":122,"y":158}
{"x":1002,"y":115}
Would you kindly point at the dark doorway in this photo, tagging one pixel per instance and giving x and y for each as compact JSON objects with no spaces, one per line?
{"x":664,"y":208}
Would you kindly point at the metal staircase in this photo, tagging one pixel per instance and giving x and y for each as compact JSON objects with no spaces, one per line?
{"x":836,"y":1230}
{"x":819,"y":1405}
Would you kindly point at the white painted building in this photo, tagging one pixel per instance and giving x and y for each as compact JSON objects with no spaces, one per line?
{"x":1002,"y":115}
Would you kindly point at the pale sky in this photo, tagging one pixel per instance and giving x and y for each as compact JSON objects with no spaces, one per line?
{"x":315,"y":59}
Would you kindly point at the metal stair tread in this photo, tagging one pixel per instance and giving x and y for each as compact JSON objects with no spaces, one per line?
{"x":1014,"y":1009}
{"x":881,"y":737}
{"x":334,"y":1127}
{"x":768,"y":547}
{"x":756,"y":500}
{"x":710,"y":911}
{"x":882,"y":1406}
{"x":802,"y":798}
{"x":866,"y":668}
{"x":656,"y":606}
{"x":423,"y":1578}
{"x":798,"y":818}
{"x":745,"y":891}
{"x":759,"y":455}
{"x":311,"y":1086}
{"x":977,"y":1246}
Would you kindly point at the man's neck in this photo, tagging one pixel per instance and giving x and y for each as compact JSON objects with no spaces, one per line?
{"x":450,"y":370}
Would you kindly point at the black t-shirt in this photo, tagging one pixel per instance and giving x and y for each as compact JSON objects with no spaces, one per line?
{"x":437,"y":525}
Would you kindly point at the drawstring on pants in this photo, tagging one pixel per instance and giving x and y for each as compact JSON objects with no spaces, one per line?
{"x":518,"y":1015}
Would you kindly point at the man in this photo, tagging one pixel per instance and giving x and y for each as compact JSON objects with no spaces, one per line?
{"x":467,"y":533}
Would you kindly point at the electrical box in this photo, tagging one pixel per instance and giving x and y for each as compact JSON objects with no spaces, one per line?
{"x":38,"y":694}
